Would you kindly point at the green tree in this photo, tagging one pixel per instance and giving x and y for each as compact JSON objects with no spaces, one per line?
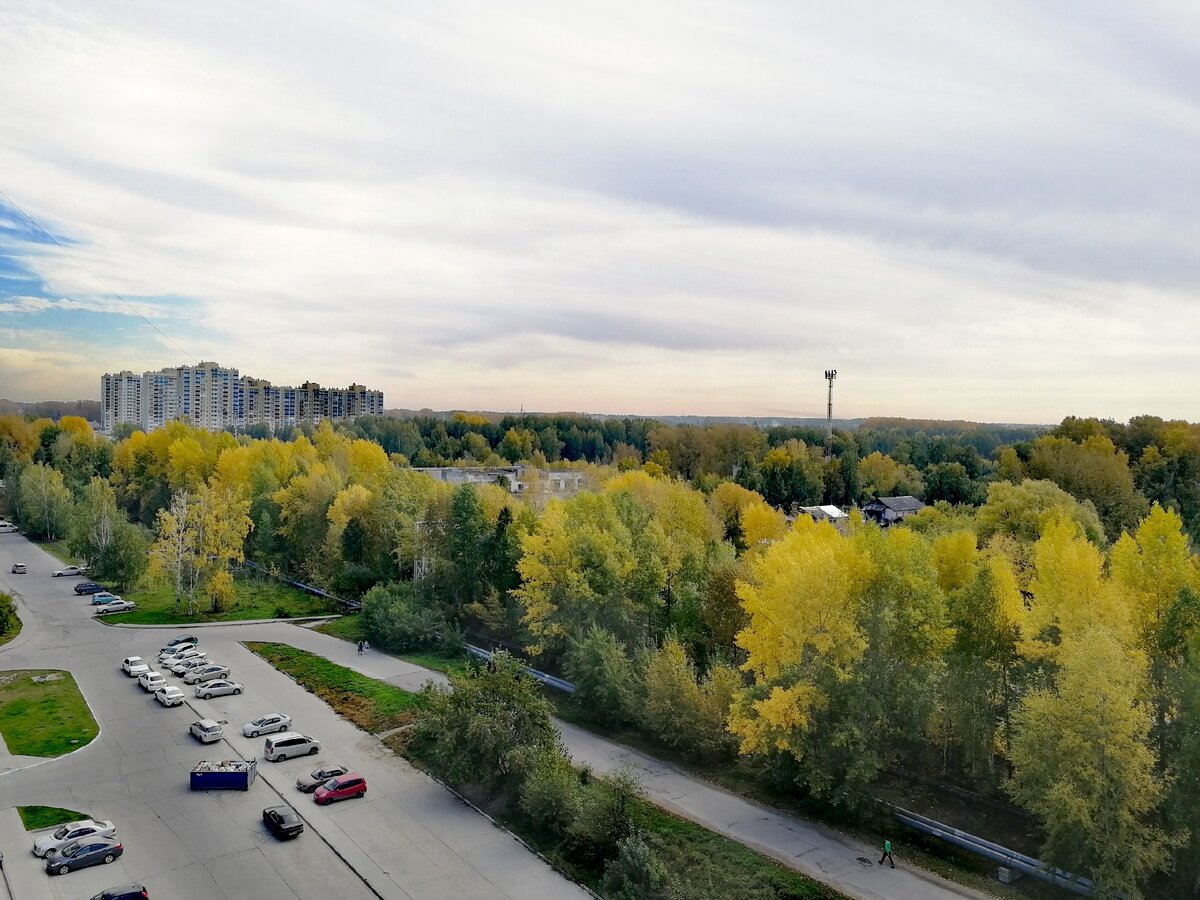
{"x":606,"y":685}
{"x":93,"y":521}
{"x":393,"y":619}
{"x":1024,"y":510}
{"x":8,"y":613}
{"x":483,"y":726}
{"x":1082,"y":764}
{"x":45,"y":502}
{"x":466,"y":537}
{"x":1094,"y":470}
{"x":636,"y":873}
{"x":950,"y":481}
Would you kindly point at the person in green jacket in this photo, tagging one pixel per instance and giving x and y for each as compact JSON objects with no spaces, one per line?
{"x":887,"y":854}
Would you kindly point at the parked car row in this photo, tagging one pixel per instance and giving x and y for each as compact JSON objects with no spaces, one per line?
{"x":77,"y":845}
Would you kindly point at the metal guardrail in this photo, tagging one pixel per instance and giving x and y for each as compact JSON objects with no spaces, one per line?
{"x":1027,"y":865}
{"x":549,"y":680}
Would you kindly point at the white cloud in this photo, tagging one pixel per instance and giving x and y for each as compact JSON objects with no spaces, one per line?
{"x":970,"y":211}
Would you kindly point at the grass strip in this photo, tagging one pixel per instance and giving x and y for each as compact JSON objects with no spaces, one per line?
{"x":370,"y":704}
{"x":43,"y":718}
{"x":35,"y":818}
{"x":252,"y":599}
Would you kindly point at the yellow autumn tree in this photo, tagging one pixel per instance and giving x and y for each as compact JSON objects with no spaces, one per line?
{"x":1070,"y":591}
{"x":801,"y":597}
{"x":956,"y":558}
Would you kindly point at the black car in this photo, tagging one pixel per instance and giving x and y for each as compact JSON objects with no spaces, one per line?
{"x":283,"y":821}
{"x":88,"y":587}
{"x":124,"y":892}
{"x":181,"y":639}
{"x":85,"y":852}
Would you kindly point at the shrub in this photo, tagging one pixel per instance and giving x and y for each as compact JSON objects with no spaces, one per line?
{"x":393,"y":619}
{"x":672,"y":708}
{"x":552,"y":794}
{"x":684,"y":713}
{"x":603,"y":819}
{"x":481,"y":727}
{"x":604,"y":677}
{"x":637,"y":873}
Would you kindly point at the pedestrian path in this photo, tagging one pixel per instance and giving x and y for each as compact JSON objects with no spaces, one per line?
{"x":825,"y":855}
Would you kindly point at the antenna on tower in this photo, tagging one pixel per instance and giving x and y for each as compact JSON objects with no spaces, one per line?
{"x":830,"y":374}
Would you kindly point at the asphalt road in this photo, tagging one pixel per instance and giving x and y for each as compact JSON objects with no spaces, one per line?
{"x":408,"y":838}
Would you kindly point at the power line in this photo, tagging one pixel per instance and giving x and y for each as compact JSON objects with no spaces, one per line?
{"x":133,"y":309}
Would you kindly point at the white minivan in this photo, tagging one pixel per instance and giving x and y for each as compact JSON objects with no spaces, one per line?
{"x":289,"y":744}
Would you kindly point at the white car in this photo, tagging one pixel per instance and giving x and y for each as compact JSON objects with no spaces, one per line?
{"x":216,"y":688}
{"x":266,"y":724}
{"x":174,"y":653}
{"x":134,"y":666}
{"x":69,"y":571}
{"x":169,"y":695}
{"x":185,"y":666}
{"x":206,"y":731}
{"x":206,"y":673}
{"x":72,"y":831}
{"x":116,"y":606}
{"x":151,"y":681}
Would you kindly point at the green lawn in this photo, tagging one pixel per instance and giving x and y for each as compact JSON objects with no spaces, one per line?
{"x":46,"y":719}
{"x":252,"y":599}
{"x":59,"y":550}
{"x":36,"y":817}
{"x":370,"y":704}
{"x":348,"y":628}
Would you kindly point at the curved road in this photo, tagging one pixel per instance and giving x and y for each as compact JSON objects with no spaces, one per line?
{"x":407,"y":838}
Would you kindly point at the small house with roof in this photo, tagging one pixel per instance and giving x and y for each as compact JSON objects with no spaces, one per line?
{"x":890,"y":510}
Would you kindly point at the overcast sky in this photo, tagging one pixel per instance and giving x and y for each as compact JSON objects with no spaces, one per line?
{"x":971,"y":210}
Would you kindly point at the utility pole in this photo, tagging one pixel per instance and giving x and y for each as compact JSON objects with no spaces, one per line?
{"x":830,"y":374}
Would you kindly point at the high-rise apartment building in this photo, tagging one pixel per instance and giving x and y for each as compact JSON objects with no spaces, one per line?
{"x":210,"y":396}
{"x":120,"y":400}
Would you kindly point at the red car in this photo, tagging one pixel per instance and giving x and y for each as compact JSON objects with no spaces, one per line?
{"x":349,"y":785}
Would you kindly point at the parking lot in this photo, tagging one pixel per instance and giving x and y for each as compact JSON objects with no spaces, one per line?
{"x":407,"y":838}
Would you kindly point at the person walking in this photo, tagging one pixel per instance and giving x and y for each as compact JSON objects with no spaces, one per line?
{"x":360,"y":648}
{"x":887,"y":854}
{"x":366,"y":646}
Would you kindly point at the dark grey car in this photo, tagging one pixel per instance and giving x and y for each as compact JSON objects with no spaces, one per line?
{"x":310,"y":782}
{"x":91,"y":851}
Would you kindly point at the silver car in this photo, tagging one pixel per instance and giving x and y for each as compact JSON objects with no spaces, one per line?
{"x":216,"y":688}
{"x":267,"y":723}
{"x":185,"y":666}
{"x":174,"y":653}
{"x":72,"y":831}
{"x":206,"y":673}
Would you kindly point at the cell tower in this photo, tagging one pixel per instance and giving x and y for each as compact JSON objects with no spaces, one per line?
{"x":830,"y":374}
